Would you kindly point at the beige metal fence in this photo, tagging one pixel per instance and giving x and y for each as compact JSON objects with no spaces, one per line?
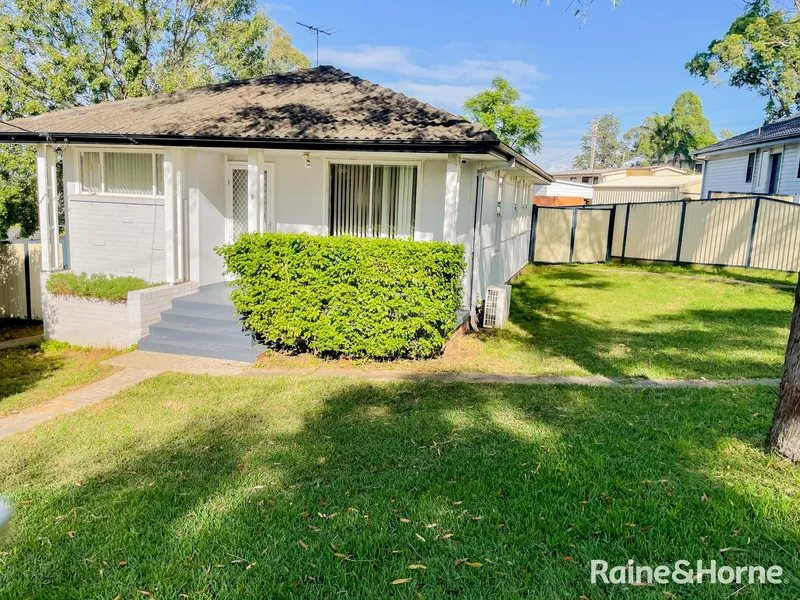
{"x":752,"y":232}
{"x":20,"y":281}
{"x":571,"y":234}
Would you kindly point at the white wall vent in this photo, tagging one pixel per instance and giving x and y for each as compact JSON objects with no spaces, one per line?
{"x":497,"y":307}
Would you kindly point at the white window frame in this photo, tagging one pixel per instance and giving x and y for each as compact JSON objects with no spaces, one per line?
{"x":102,"y":151}
{"x":372,"y":163}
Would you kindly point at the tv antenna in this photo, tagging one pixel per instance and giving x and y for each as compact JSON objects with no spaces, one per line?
{"x":317,"y":31}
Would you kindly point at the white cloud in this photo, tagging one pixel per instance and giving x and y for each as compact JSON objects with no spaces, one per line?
{"x":399,"y":61}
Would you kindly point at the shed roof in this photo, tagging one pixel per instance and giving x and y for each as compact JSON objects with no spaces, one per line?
{"x":649,"y":182}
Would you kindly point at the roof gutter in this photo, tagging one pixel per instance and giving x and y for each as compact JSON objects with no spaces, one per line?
{"x":476,"y":239}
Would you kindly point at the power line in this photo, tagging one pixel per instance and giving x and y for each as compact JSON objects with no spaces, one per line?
{"x":317,"y":31}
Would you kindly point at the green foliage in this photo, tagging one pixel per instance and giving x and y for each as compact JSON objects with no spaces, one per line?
{"x":661,"y":138}
{"x":761,"y":52}
{"x":725,"y":134}
{"x":496,"y":108}
{"x":95,"y":287}
{"x":65,"y":53}
{"x":609,"y":150}
{"x":343,"y":296}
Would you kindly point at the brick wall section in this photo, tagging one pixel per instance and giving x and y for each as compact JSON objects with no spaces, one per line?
{"x":117,"y":236}
{"x":145,"y":306}
{"x":105,"y":324}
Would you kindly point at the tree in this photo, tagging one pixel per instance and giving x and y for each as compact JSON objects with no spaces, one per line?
{"x":65,"y":53}
{"x":761,"y":52}
{"x":663,"y":138}
{"x":784,"y":434}
{"x":496,"y":108}
{"x":609,"y":151}
{"x":725,"y":134}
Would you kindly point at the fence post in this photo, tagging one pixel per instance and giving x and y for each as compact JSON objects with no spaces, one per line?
{"x":752,"y":233}
{"x":572,"y":234}
{"x":680,"y":234}
{"x":610,"y":240}
{"x":533,"y":231}
{"x":28,"y":311}
{"x":625,"y":233}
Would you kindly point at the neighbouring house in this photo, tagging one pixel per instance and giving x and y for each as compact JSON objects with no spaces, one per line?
{"x":562,"y":193}
{"x":765,"y":161}
{"x":657,"y":187}
{"x":151,"y":186}
{"x":595,"y":176}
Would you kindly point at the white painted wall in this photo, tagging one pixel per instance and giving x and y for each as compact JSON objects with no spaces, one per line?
{"x":125,"y":236}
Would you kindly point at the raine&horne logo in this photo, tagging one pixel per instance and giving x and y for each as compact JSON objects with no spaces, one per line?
{"x":682,"y":573}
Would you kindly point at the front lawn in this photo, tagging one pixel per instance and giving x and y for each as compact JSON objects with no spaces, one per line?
{"x":613,"y":321}
{"x":201,"y":487}
{"x":33,"y":374}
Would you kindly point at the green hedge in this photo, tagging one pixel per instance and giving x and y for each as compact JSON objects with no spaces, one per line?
{"x":344,"y":296}
{"x":95,"y":287}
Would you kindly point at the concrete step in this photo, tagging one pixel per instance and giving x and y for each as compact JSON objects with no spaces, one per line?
{"x":208,"y":350}
{"x":184,"y":333}
{"x":173,"y":316}
{"x":203,"y":309}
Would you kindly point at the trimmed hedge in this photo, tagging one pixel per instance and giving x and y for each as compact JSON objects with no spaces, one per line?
{"x":95,"y":287}
{"x":345,"y":296}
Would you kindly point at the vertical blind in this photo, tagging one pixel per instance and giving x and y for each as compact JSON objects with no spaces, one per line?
{"x":373,"y":200}
{"x":129,"y":173}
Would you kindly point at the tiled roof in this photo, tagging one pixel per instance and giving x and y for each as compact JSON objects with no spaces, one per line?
{"x":787,"y":128}
{"x":322,"y":103}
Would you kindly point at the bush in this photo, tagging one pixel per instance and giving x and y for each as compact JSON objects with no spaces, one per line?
{"x":344,"y":296}
{"x":95,"y":287}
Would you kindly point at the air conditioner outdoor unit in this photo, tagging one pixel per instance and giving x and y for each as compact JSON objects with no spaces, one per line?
{"x":497,"y":306}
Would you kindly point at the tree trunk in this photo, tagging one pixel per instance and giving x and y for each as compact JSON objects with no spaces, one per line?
{"x":784,"y":435}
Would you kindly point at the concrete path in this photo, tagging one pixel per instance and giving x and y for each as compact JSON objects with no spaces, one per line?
{"x":33,"y":339}
{"x":71,"y":401}
{"x":138,"y":366}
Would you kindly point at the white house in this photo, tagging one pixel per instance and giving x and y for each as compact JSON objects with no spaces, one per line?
{"x":152,"y":185}
{"x":762,"y":161}
{"x":563,"y":193}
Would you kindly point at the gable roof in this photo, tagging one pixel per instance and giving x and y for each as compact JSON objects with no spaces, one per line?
{"x":317,"y":103}
{"x":780,"y":130}
{"x":322,"y":108}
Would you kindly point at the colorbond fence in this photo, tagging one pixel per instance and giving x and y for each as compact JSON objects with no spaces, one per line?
{"x":20,"y":281}
{"x":751,"y":232}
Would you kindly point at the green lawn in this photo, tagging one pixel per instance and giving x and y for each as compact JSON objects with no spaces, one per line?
{"x":613,"y":321}
{"x":201,"y":487}
{"x":32,"y":374}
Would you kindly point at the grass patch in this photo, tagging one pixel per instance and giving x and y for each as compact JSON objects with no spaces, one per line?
{"x":14,"y":329}
{"x":236,"y":488}
{"x":569,"y":320}
{"x":30,"y":375}
{"x":95,"y":287}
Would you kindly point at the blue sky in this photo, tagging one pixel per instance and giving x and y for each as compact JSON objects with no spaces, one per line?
{"x":629,"y":61}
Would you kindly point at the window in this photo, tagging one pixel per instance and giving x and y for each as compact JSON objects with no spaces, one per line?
{"x":373,"y":200}
{"x":586,"y":180}
{"x":573,"y":179}
{"x":122,"y":173}
{"x":751,"y":163}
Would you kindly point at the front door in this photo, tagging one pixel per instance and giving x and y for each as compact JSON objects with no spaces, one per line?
{"x":236,"y":221}
{"x":774,"y":173}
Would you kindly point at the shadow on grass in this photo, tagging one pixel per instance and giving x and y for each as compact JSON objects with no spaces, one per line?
{"x":22,"y":368}
{"x":339,"y":495}
{"x":690,"y":343}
